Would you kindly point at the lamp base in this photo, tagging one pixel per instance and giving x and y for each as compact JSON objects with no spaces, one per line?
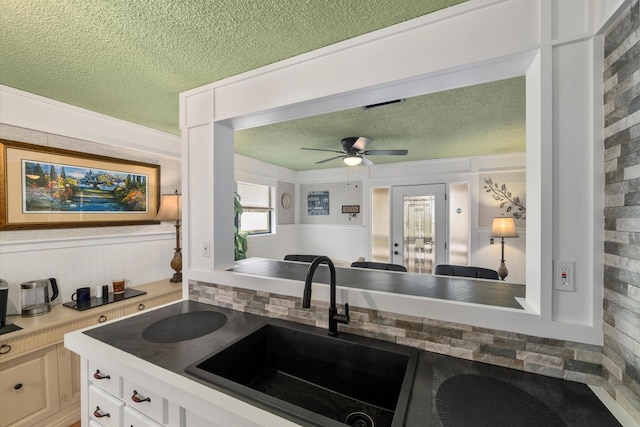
{"x":176,"y":264}
{"x":502,"y":270}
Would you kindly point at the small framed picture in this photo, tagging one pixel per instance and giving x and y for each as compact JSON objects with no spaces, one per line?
{"x":350,"y":209}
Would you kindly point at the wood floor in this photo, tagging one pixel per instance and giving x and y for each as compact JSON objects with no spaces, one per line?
{"x":75,"y":424}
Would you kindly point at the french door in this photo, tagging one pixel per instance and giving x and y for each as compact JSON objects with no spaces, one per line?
{"x":418,"y":231}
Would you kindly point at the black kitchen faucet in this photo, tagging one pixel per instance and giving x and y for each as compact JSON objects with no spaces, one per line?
{"x":334,"y":317}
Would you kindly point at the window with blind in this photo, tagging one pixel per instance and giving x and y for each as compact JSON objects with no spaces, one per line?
{"x":256,"y":202}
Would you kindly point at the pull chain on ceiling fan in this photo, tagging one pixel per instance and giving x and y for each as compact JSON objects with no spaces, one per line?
{"x":353,"y":151}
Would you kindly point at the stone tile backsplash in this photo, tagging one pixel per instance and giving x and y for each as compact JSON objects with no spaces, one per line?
{"x":554,"y":358}
{"x":621,"y":349}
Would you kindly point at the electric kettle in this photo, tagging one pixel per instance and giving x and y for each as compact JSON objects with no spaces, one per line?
{"x":34,"y":296}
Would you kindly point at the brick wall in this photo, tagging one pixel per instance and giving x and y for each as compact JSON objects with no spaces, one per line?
{"x":621,"y":350}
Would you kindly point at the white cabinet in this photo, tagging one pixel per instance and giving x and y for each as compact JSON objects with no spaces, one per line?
{"x":118,"y":401}
{"x":103,"y":377}
{"x":193,"y":420}
{"x":146,"y":401}
{"x":173,"y":400}
{"x":104,"y":408}
{"x":143,"y":393}
{"x":133,"y":418}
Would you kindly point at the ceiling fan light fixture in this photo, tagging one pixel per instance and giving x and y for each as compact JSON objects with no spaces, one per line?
{"x":352,"y":159}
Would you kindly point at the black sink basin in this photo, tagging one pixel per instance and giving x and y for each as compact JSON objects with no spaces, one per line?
{"x":324,"y":380}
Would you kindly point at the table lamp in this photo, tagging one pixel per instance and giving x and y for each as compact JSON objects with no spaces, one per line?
{"x":503,"y":227}
{"x":171,"y":210}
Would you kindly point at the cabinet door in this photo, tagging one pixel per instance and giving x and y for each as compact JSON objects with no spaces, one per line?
{"x":29,"y":388}
{"x":68,"y":376}
{"x":104,"y":377}
{"x":104,"y":408}
{"x":145,"y":400}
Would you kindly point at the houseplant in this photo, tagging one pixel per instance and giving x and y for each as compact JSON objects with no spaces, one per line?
{"x":240,"y":239}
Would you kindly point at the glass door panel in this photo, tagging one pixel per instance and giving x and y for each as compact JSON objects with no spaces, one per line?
{"x":419,"y":227}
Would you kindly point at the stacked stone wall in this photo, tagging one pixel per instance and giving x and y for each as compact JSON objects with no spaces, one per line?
{"x":621,"y":350}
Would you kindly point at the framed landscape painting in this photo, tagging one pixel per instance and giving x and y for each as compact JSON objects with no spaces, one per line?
{"x":42,"y":187}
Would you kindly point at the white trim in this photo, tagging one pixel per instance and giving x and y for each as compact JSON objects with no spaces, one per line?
{"x":428,"y":52}
{"x":30,"y":111}
{"x":82,"y":241}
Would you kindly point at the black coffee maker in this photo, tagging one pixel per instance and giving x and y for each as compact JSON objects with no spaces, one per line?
{"x":4,"y":301}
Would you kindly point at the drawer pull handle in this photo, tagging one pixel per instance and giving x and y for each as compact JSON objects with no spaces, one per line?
{"x":99,"y":414}
{"x":140,"y":307}
{"x":138,"y":398}
{"x":102,"y":319}
{"x":17,"y":386}
{"x":5,"y":348}
{"x":100,"y":376}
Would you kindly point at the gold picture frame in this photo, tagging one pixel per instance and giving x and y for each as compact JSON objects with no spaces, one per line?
{"x":43,"y":187}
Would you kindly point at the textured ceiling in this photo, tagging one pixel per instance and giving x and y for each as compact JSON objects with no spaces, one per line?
{"x":472,"y":121}
{"x":130,"y":59}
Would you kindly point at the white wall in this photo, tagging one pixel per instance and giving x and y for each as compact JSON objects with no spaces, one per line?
{"x":550,"y":44}
{"x":79,"y":257}
{"x":347,"y":242}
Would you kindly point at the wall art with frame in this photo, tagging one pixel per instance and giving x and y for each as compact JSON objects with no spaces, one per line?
{"x":43,"y":187}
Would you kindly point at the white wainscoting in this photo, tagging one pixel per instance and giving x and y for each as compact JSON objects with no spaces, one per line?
{"x":339,"y":242}
{"x":87,"y":261}
{"x":274,"y":246}
{"x":79,"y":257}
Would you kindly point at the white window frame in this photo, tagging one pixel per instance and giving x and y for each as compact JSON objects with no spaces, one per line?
{"x":248,"y":207}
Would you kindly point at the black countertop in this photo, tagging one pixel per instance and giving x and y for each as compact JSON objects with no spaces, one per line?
{"x":574,"y":404}
{"x":460,"y":289}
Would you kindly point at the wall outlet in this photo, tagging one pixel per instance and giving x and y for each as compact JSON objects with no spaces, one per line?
{"x":563,"y":277}
{"x":206,"y":248}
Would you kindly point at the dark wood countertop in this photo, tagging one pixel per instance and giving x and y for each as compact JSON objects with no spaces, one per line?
{"x":460,"y":289}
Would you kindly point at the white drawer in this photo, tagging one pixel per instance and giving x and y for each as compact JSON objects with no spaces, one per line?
{"x":104,"y":408}
{"x":146,"y":401}
{"x":94,"y":423}
{"x":194,"y":420}
{"x":133,"y":418}
{"x":105,"y":378}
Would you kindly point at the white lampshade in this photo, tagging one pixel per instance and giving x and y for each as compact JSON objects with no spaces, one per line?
{"x":352,"y":160}
{"x":170,"y":207}
{"x":503,"y":227}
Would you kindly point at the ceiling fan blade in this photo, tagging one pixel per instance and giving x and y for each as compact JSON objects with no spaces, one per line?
{"x":361,"y":143}
{"x":366,"y":162}
{"x":386,"y":152}
{"x":320,"y":149}
{"x":329,"y":159}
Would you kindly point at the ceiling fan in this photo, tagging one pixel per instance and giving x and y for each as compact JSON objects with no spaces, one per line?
{"x":353,"y":151}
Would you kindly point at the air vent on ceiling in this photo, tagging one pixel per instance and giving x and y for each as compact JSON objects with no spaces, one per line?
{"x":382,"y":104}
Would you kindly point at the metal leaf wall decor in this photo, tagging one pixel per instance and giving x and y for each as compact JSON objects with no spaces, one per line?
{"x":511,"y":203}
